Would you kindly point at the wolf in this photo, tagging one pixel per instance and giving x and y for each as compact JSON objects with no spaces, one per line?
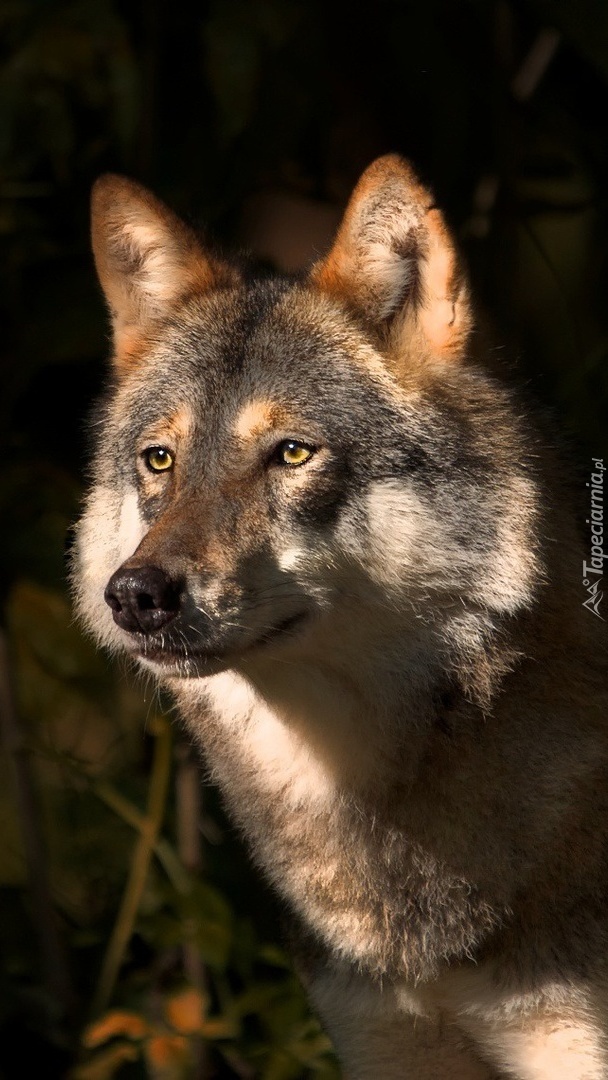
{"x":325,"y":523}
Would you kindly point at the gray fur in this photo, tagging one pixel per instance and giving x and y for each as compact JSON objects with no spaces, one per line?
{"x":381,"y":653}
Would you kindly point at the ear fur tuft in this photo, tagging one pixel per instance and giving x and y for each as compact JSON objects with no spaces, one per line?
{"x":394,"y":261}
{"x":146,"y":259}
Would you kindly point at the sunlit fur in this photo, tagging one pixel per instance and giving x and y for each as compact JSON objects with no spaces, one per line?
{"x":382,"y":651}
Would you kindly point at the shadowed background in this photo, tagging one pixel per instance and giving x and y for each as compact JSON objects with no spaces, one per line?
{"x":135,"y":939}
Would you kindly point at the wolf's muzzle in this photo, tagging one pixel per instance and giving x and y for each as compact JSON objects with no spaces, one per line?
{"x":143,"y":599}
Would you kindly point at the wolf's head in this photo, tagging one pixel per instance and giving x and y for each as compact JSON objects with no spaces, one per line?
{"x":285,"y":465}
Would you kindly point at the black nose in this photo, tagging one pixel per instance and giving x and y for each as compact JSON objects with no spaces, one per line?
{"x":143,"y":599}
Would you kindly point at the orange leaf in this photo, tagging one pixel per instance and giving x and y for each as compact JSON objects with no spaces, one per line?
{"x":164,"y":1051}
{"x":112,"y":1024}
{"x":185,"y":1011}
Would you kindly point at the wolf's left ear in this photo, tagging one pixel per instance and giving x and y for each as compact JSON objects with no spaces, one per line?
{"x":146,"y":260}
{"x":395,"y":263}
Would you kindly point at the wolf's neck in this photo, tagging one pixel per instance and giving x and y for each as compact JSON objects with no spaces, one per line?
{"x":322,"y":772}
{"x":342,"y":726}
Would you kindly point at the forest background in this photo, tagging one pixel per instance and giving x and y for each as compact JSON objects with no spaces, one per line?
{"x":135,"y":939}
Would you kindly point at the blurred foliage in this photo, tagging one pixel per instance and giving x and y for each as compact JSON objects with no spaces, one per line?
{"x":209,"y":105}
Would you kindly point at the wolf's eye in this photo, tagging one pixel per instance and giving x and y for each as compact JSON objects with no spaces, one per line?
{"x":158,"y":458}
{"x":291,"y":452}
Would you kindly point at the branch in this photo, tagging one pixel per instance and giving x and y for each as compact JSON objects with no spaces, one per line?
{"x":142,"y":856}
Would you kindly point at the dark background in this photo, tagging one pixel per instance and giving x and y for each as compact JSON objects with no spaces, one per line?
{"x":252,"y":119}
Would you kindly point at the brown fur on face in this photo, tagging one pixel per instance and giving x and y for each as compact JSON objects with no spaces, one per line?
{"x":382,"y":652}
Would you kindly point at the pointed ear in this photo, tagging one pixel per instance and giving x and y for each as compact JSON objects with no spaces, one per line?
{"x":146,"y":260}
{"x":394,"y":261}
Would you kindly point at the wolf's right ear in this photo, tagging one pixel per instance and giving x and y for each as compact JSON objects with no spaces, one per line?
{"x":146,"y":259}
{"x":395,"y":263}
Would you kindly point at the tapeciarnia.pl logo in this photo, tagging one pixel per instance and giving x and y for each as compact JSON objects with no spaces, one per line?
{"x":594,"y":569}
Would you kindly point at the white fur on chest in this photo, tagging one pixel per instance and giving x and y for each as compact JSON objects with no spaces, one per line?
{"x":280,"y":760}
{"x":283,"y":769}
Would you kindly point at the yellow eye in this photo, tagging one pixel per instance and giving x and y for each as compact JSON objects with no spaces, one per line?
{"x":291,"y":452}
{"x":158,"y":459}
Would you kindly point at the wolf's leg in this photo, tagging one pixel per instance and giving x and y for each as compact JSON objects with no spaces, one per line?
{"x":375,"y":1037}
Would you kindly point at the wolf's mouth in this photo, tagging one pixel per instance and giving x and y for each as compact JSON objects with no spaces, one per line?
{"x":166,"y":651}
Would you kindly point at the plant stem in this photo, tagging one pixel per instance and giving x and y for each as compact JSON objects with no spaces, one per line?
{"x":188,"y":791}
{"x":140,"y":864}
